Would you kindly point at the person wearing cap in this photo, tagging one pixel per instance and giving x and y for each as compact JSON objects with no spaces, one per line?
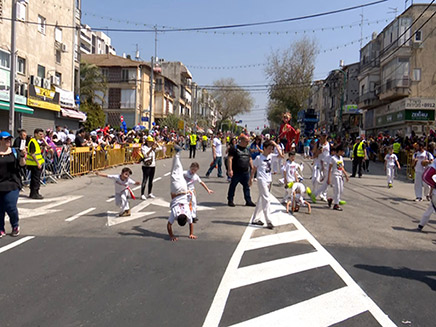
{"x":148,"y":150}
{"x":34,"y":163}
{"x":240,"y":164}
{"x":10,"y":182}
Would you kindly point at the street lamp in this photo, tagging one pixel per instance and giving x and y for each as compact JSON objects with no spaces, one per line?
{"x":342,"y":99}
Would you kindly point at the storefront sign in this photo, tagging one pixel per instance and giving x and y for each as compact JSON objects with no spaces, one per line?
{"x":405,"y":115}
{"x":420,"y":115}
{"x":43,"y":98}
{"x":419,"y":103}
{"x":351,"y":109}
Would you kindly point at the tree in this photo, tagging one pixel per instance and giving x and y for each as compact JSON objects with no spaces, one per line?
{"x":95,"y":115}
{"x":230,"y":99}
{"x":290,"y":72}
{"x":171,"y":121}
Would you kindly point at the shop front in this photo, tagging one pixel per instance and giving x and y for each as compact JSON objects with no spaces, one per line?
{"x":69,"y":117}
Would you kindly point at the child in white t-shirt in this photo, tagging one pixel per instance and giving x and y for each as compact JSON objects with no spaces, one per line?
{"x":122,"y":184}
{"x":297,"y":190}
{"x":191,"y":178}
{"x":263,"y":166}
{"x":421,"y":159}
{"x":290,"y":174}
{"x":336,"y":174}
{"x":391,"y":160}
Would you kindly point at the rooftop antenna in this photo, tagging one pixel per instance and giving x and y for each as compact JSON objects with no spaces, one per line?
{"x":394,"y":11}
{"x":137,"y":57}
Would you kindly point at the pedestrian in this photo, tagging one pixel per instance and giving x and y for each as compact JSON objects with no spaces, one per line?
{"x":180,"y":210}
{"x":323,"y":148}
{"x":391,"y":160}
{"x":10,"y":182}
{"x":307,"y":147}
{"x":296,"y":199}
{"x":191,"y":178}
{"x":263,"y":166}
{"x":148,"y":149}
{"x":240,"y":163}
{"x":192,"y":144}
{"x":232,"y":144}
{"x":204,"y":142}
{"x":421,"y":159}
{"x":122,"y":184}
{"x":336,"y":176}
{"x":217,"y":154}
{"x":277,"y":158}
{"x":34,"y":163}
{"x":359,"y":154}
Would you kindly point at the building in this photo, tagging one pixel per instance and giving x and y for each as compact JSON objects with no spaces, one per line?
{"x":316,"y":101}
{"x":164,"y":96}
{"x":205,"y":107}
{"x":47,"y":68}
{"x":95,"y":42}
{"x":397,"y":86}
{"x":128,"y":93}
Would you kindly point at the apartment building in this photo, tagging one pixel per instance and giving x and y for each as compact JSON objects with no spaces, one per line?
{"x":397,"y":86}
{"x":205,"y":107}
{"x":128,"y":93}
{"x":95,"y":42}
{"x":47,"y":64}
{"x":164,"y":96}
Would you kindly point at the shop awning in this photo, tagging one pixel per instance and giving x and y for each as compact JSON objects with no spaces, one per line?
{"x":71,"y":113}
{"x":18,"y":107}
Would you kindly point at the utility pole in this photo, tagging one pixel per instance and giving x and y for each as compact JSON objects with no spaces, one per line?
{"x":13,"y":69}
{"x":194,"y":107}
{"x":151,"y":92}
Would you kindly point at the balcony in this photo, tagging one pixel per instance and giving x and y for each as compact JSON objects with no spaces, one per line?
{"x":395,"y":89}
{"x":368,"y":100}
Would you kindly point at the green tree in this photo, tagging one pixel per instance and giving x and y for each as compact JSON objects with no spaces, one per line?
{"x":95,"y":115}
{"x":171,"y":121}
{"x":290,"y":73}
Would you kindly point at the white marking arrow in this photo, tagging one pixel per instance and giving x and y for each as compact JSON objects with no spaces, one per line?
{"x":46,"y":209}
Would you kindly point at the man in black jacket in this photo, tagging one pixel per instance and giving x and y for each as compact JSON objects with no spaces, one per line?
{"x":240,"y":163}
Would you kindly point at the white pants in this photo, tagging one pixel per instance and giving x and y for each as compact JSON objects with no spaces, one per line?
{"x":263,"y":201}
{"x":338,"y":188}
{"x":419,"y":184}
{"x":322,"y":190}
{"x":390,"y":173}
{"x":307,"y":151}
{"x":178,"y":182}
{"x":276,"y":163}
{"x":192,"y":197}
{"x":316,"y":178}
{"x":426,"y":215}
{"x":121,"y":200}
{"x":288,"y":195}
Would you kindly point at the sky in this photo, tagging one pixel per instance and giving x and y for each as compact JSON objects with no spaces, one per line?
{"x":211,"y":56}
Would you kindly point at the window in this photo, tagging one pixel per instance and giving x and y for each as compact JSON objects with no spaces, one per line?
{"x":58,"y":34}
{"x":58,"y":56}
{"x":105,"y":73}
{"x":124,"y":75}
{"x":128,"y":98}
{"x":41,"y":24}
{"x":41,"y":71}
{"x":1,"y":11}
{"x":21,"y":65}
{"x":417,"y":74}
{"x":21,"y":11}
{"x":5,"y":59}
{"x":59,"y":75}
{"x":418,"y":36}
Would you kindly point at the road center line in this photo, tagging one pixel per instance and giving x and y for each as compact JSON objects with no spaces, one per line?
{"x":16,"y":243}
{"x":167,"y":174}
{"x":84,"y":212}
{"x":157,"y":179}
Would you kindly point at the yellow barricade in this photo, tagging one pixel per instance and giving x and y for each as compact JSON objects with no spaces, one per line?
{"x":80,"y":161}
{"x":410,"y":171}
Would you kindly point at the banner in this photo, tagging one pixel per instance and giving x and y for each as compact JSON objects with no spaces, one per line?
{"x":43,"y":98}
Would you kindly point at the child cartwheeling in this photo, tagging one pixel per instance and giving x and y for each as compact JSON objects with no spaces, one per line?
{"x":290,"y":175}
{"x":191,"y":178}
{"x":391,"y":160}
{"x":122,"y":189}
{"x":297,"y":190}
{"x":180,"y":209}
{"x":336,"y":174}
{"x":263,"y":166}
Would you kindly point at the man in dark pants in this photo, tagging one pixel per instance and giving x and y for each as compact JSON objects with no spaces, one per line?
{"x":359,"y":154}
{"x":192,"y":145}
{"x":34,"y":163}
{"x":240,"y":163}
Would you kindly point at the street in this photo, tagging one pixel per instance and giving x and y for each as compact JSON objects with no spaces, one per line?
{"x":76,"y":263}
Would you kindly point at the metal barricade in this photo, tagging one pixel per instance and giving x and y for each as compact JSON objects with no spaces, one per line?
{"x":115,"y":156}
{"x":410,"y":171}
{"x":80,"y":161}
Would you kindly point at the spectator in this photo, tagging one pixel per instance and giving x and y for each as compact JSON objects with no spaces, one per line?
{"x":148,"y":166}
{"x":80,"y":138}
{"x":217,"y":155}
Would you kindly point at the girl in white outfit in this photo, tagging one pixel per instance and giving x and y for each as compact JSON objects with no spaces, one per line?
{"x":263,"y":165}
{"x":336,"y":174}
{"x":390,"y":161}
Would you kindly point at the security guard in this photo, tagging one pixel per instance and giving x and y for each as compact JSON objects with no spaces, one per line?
{"x":34,"y":163}
{"x":204,"y":142}
{"x":192,"y":145}
{"x":359,"y":154}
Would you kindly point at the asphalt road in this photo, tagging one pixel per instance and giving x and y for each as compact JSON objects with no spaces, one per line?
{"x":77,"y":264}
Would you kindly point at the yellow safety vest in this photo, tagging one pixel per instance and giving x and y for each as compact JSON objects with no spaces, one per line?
{"x":204,"y":138}
{"x":396,"y":147}
{"x":136,"y":140}
{"x":360,"y":152}
{"x":193,"y":138}
{"x":38,"y":154}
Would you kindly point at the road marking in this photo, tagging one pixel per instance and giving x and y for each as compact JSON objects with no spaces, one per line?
{"x":157,"y":179}
{"x":110,"y":200}
{"x":167,"y":174}
{"x":84,"y":212}
{"x":47,"y":209}
{"x":114,"y":219}
{"x":16,"y":243}
{"x":336,"y":306}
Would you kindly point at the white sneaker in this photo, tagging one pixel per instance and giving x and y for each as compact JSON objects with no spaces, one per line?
{"x":143,"y":197}
{"x":323,"y":198}
{"x":151,"y":196}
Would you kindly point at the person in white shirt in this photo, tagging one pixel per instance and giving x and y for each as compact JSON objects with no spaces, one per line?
{"x":336,"y":174}
{"x":429,"y":177}
{"x":296,"y":201}
{"x":122,"y":189}
{"x":290,"y":175}
{"x":191,"y":178}
{"x":277,"y":158}
{"x":180,"y":209}
{"x":324,"y":157}
{"x":421,"y":159}
{"x":262,"y":165}
{"x":217,"y":154}
{"x":149,"y":149}
{"x":391,"y":160}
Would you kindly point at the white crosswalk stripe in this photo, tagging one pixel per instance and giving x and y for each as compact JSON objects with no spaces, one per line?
{"x":332,"y":307}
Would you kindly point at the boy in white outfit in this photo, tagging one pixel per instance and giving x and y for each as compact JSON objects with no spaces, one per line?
{"x":421,"y":159}
{"x":290,"y":174}
{"x":262,"y":164}
{"x":336,"y":174}
{"x":191,"y":178}
{"x":391,"y":160}
{"x":122,"y":184}
{"x":297,"y":190}
{"x":324,"y":157}
{"x":180,"y":209}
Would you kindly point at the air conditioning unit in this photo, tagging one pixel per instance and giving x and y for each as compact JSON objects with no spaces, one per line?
{"x":55,"y":80}
{"x":36,"y":80}
{"x":64,"y":47}
{"x":46,"y":83}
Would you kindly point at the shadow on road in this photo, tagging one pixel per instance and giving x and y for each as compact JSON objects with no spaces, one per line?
{"x":404,"y":272}
{"x":145,"y":233}
{"x":229,"y":222}
{"x":411,"y":230}
{"x":213,"y":204}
